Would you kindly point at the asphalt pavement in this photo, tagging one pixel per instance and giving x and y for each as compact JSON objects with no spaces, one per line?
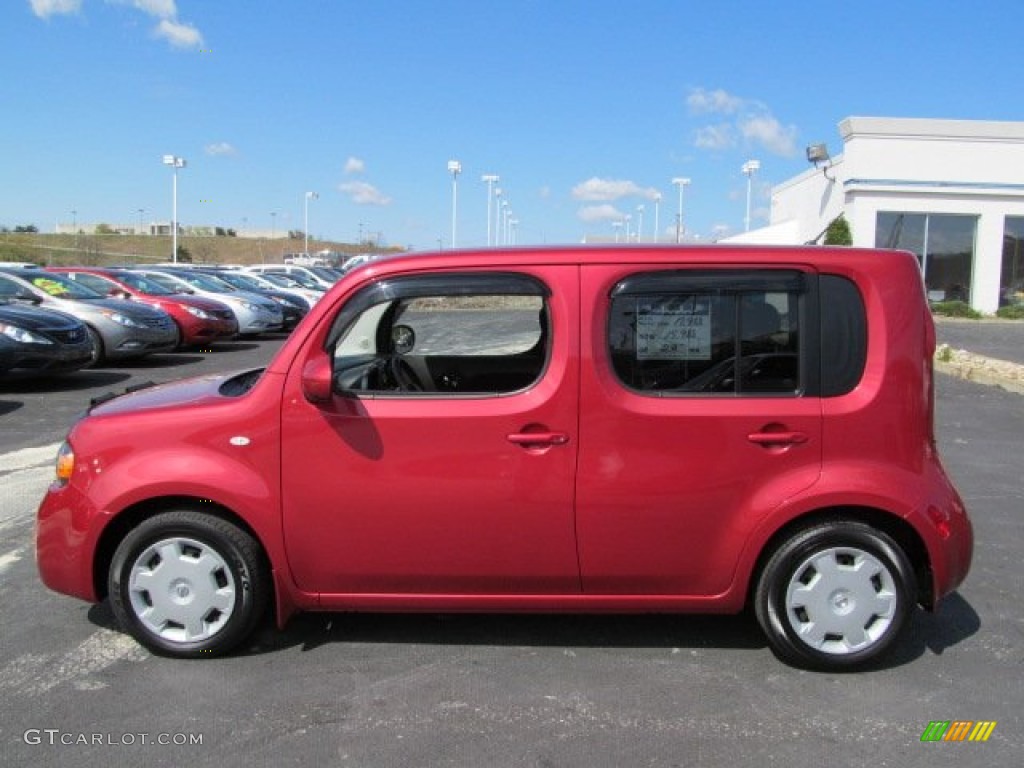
{"x":1001,"y":339}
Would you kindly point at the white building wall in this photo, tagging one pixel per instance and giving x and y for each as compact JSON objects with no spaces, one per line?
{"x":958,"y":167}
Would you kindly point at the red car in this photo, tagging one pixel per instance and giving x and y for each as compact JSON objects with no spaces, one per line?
{"x":539,"y":430}
{"x":199,"y":320}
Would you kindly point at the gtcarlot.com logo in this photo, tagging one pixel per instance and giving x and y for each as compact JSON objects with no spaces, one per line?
{"x":958,"y":730}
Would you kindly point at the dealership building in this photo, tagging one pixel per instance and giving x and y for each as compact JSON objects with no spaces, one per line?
{"x":950,"y":191}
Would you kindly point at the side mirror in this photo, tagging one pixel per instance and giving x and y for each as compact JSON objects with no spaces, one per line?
{"x":317,"y":384}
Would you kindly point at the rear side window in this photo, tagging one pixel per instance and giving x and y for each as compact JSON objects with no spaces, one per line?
{"x":726,"y":332}
{"x":844,"y":335}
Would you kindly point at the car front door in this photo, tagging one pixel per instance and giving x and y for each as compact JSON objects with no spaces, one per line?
{"x":698,"y":417}
{"x":443,"y":462}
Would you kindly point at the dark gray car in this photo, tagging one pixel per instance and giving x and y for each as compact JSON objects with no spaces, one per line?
{"x":41,"y":341}
{"x":119,"y":328}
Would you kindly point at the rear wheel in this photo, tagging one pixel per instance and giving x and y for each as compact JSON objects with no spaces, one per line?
{"x":834,"y":596}
{"x":186,"y":584}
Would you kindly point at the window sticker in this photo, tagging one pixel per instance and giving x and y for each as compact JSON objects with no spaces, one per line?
{"x":673,"y":329}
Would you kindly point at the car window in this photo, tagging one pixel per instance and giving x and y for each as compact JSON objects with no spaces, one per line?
{"x":724,"y":332}
{"x":62,"y":287}
{"x":143,"y":284}
{"x":98,"y":284}
{"x":457,"y":336}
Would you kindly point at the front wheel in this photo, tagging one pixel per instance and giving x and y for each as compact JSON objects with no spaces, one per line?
{"x":186,"y":584}
{"x":834,"y":596}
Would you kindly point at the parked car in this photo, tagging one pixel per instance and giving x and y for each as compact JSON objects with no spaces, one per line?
{"x":280,"y":281}
{"x":293,"y":307}
{"x":118,"y":329}
{"x":324,"y":277}
{"x":199,"y":320}
{"x":41,"y":340}
{"x":255,"y":314}
{"x":512,"y":431}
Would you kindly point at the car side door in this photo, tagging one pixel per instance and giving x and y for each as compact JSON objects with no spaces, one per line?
{"x":443,"y":461}
{"x":698,"y":417}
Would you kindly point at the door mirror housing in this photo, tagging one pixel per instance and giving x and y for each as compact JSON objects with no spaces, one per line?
{"x":317,"y":378}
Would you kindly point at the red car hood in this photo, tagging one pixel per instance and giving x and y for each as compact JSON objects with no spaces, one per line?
{"x":194,"y":391}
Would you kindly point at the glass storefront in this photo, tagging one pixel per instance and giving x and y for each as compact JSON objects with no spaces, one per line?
{"x":944,"y":244}
{"x":1011,"y":282}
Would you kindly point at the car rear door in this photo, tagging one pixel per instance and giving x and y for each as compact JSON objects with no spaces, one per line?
{"x":698,"y":416}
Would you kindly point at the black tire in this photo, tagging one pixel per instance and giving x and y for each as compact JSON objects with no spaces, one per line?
{"x":834,"y":596}
{"x":188,"y":585}
{"x":97,"y":347}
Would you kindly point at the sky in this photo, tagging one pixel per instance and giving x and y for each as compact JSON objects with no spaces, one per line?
{"x":585,"y":109}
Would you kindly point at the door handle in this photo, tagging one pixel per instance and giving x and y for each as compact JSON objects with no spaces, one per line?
{"x":538,"y":438}
{"x":777,"y":438}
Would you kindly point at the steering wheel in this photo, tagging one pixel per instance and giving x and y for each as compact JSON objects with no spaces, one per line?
{"x":404,"y":376}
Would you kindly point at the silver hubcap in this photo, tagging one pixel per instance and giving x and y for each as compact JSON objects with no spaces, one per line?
{"x":841,"y":600}
{"x":181,"y":590}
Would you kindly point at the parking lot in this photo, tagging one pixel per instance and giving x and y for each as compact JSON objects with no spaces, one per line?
{"x":502,"y":690}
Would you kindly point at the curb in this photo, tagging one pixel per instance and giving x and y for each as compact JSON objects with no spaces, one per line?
{"x":979,"y":369}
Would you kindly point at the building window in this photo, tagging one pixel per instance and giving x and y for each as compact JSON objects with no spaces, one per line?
{"x":1011,"y":283}
{"x":943,"y":243}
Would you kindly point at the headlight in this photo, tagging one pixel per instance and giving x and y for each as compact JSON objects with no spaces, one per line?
{"x":120,"y":319}
{"x":198,"y":313}
{"x":22,"y":336}
{"x":250,"y":306}
{"x":65,"y":463}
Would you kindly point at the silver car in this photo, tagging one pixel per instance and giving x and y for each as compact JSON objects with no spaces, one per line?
{"x":119,"y":328}
{"x":255,"y":314}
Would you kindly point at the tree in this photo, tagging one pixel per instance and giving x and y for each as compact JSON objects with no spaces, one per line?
{"x":184,"y":255}
{"x":838,"y":232}
{"x":104,"y":229}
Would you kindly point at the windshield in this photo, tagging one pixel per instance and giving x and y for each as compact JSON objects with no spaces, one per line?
{"x":172,"y":284}
{"x":282,"y":281}
{"x":143,"y":284}
{"x":62,"y":287}
{"x":241,"y":281}
{"x":206,"y":282}
{"x":324,"y":273}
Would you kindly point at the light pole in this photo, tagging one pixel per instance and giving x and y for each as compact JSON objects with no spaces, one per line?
{"x":175,"y":162}
{"x":506,"y":212}
{"x":639,"y":223}
{"x":141,"y":211}
{"x":454,"y":168}
{"x":305,"y":246}
{"x":749,"y":168}
{"x":617,"y":226}
{"x":513,"y":226}
{"x":497,"y":213}
{"x":629,"y":234}
{"x":657,"y":214}
{"x":681,"y":183}
{"x":491,"y":179}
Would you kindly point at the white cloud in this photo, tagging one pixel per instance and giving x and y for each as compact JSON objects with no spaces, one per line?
{"x":44,"y":9}
{"x":599,"y":190}
{"x":354,"y":165}
{"x":362,"y":193}
{"x":178,"y":34}
{"x":718,"y":101}
{"x":162,"y":9}
{"x":606,"y":212}
{"x":769,"y":133}
{"x":715,"y":137}
{"x":220,"y":148}
{"x":753,"y":124}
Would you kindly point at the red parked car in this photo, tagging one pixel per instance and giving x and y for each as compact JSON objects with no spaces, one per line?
{"x":199,"y":320}
{"x":589,"y":430}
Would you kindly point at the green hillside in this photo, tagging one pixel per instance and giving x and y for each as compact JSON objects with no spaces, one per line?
{"x":99,"y":250}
